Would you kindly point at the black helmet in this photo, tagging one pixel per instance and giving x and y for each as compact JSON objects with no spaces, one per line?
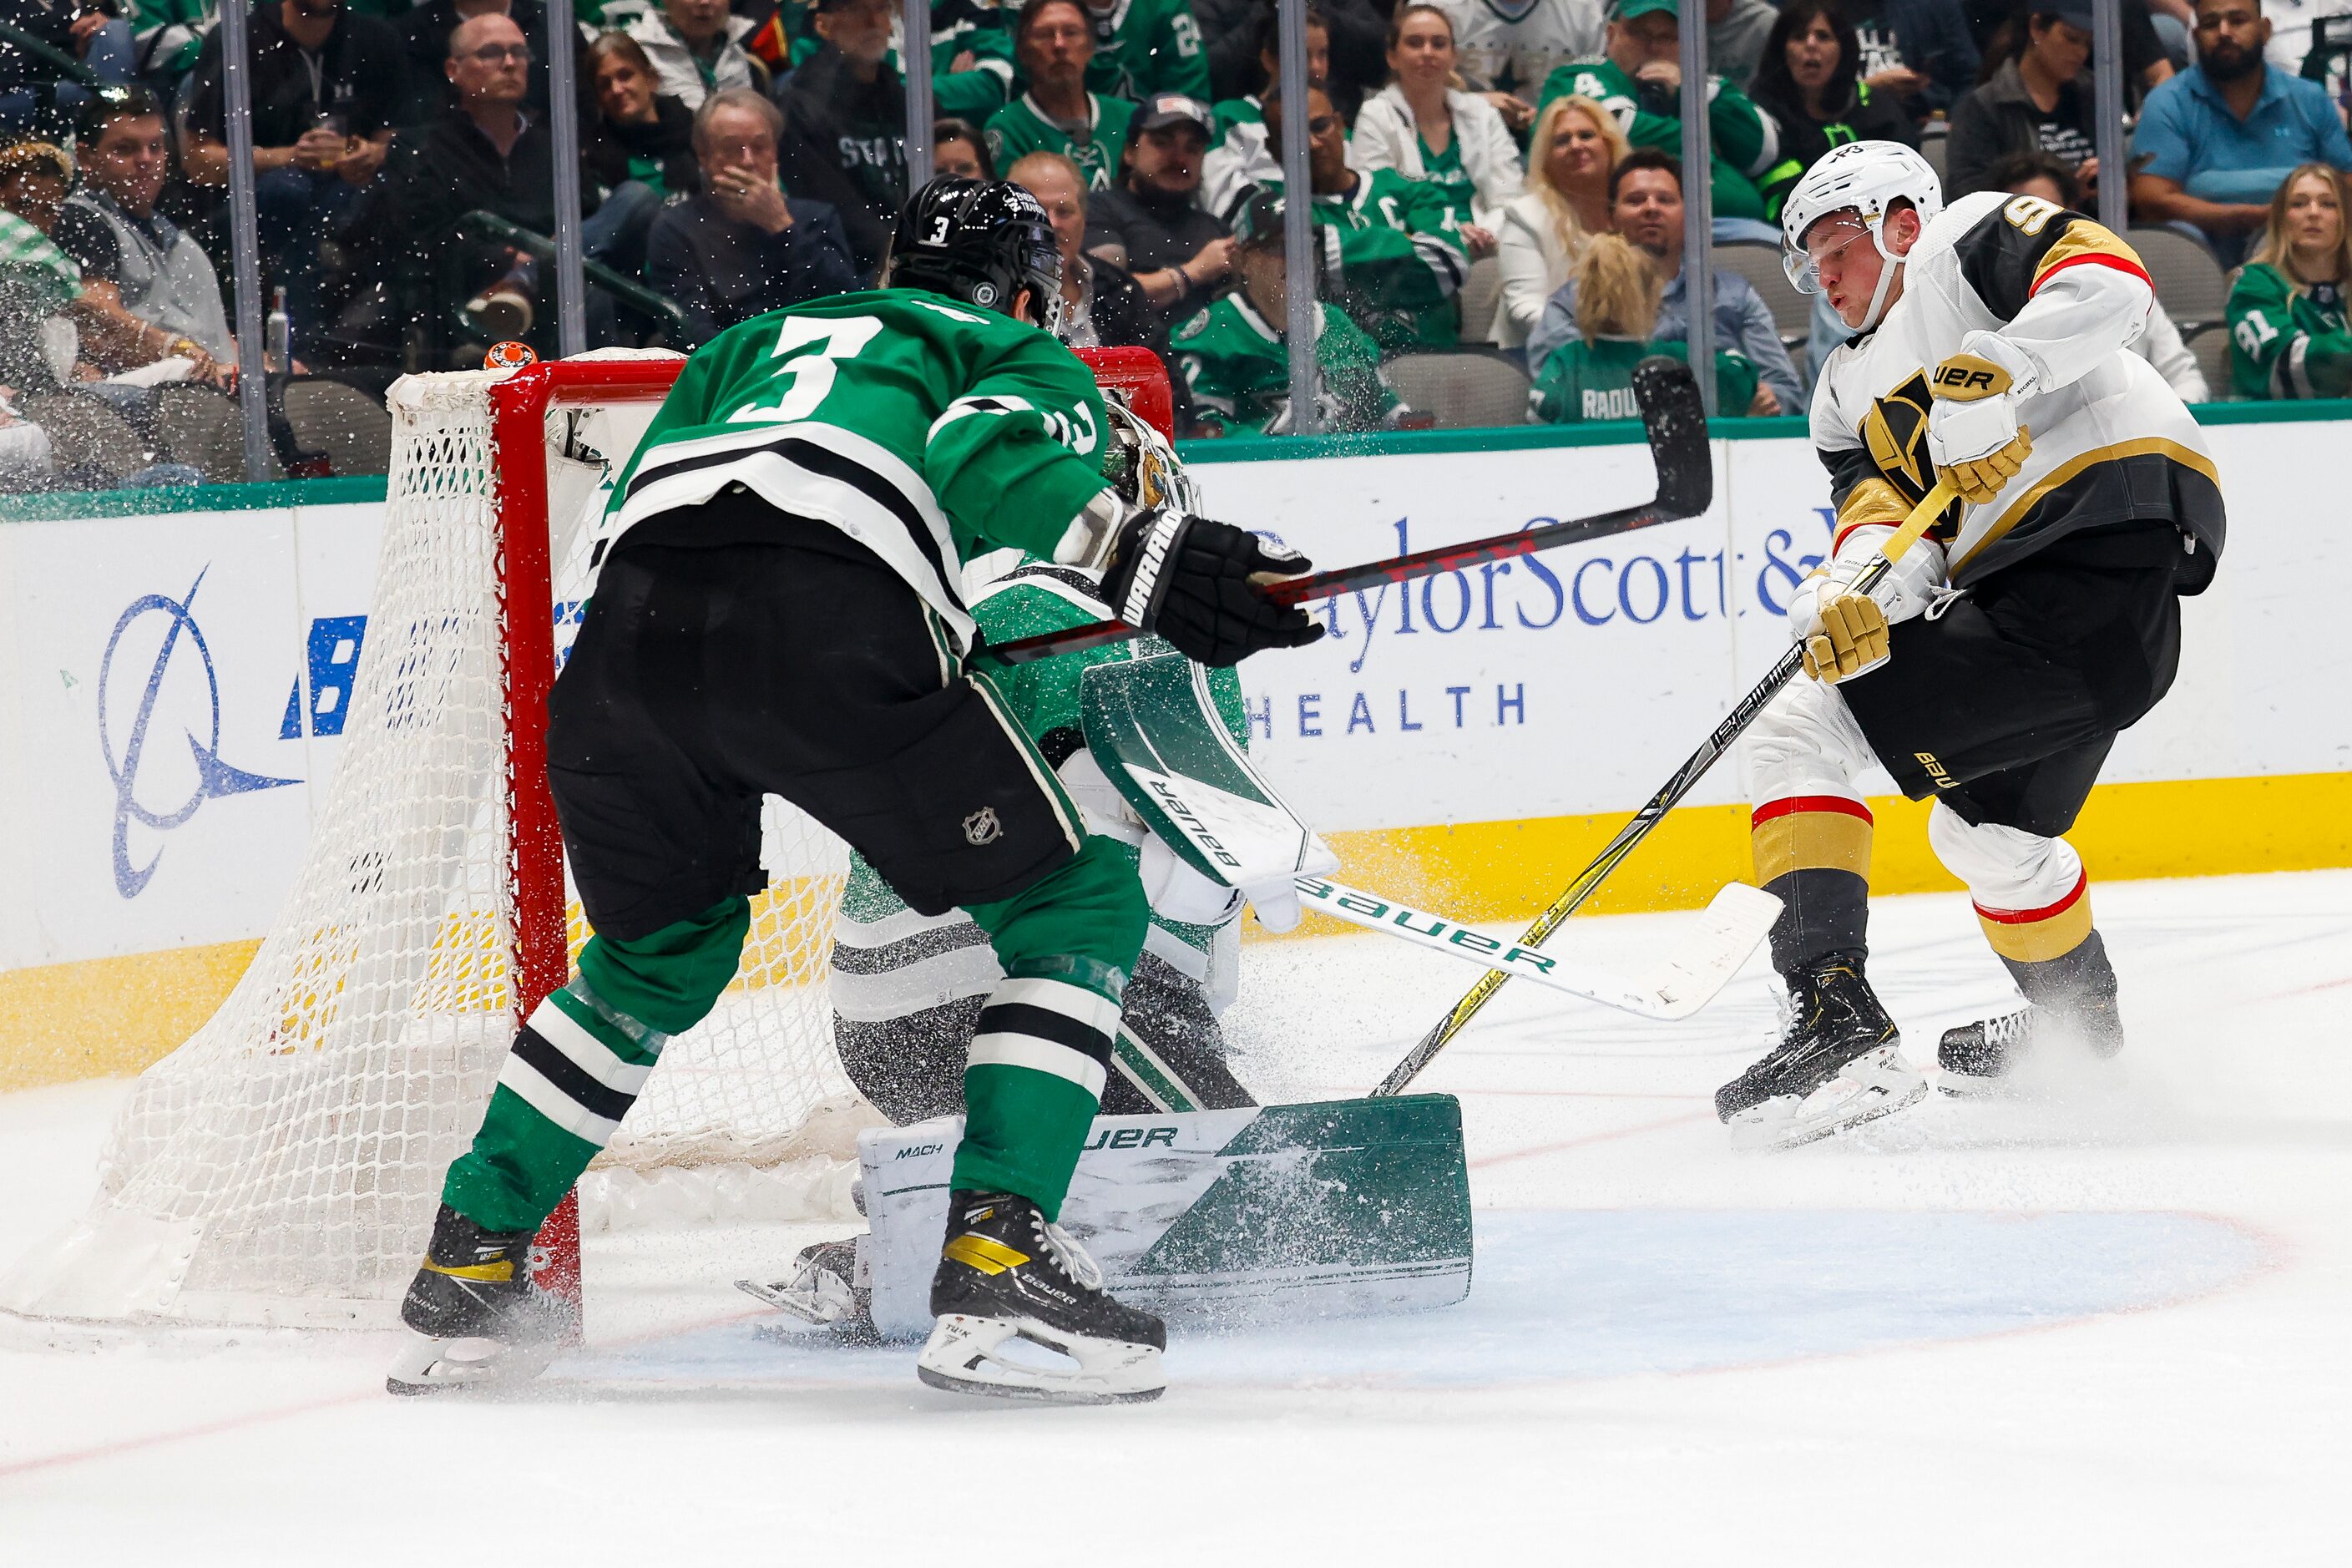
{"x":981,"y":242}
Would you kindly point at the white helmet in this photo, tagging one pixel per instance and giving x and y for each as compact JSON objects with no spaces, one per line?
{"x":1865,"y":178}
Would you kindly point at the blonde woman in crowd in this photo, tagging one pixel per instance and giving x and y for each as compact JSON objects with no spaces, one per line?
{"x":1425,"y":129}
{"x":2288,"y":331}
{"x":1590,"y":376}
{"x":1576,"y":144}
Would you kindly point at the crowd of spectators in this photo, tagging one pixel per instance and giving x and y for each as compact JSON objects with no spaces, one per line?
{"x":737,"y":157}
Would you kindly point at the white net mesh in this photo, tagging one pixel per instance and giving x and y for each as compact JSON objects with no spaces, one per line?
{"x":284,"y":1164}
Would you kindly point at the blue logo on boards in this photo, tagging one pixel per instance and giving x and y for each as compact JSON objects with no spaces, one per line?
{"x":214,"y":777}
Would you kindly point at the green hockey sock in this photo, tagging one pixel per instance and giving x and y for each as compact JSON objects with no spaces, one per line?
{"x":1035,"y":1075}
{"x":581,"y":1060}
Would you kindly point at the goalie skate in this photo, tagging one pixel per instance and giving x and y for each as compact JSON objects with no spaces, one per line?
{"x":472,"y":1316}
{"x":1006,"y":1278}
{"x":829,"y":1287}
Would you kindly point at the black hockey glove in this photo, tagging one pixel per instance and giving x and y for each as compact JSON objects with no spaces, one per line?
{"x":1199,"y":584}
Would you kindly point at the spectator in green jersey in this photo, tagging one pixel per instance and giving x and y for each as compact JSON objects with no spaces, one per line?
{"x":2288,"y":335}
{"x":1054,"y":41}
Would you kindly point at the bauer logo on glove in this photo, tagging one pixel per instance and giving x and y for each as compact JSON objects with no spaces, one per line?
{"x":1973,"y":435}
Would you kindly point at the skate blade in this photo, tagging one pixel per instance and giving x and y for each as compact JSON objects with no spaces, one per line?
{"x":821,"y":1309}
{"x":963,"y":1356}
{"x":1877,"y":1083}
{"x":427,"y":1365}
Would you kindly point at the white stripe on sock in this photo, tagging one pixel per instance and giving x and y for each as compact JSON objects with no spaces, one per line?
{"x":1096,"y":1012}
{"x":1004,"y":1050}
{"x":589,"y":1054}
{"x":558,"y":1107}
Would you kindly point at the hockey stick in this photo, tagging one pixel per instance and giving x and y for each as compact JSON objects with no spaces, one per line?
{"x":1673,"y":420}
{"x":1589,"y":880}
{"x":1686,"y":982}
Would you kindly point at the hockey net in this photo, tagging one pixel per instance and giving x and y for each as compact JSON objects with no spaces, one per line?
{"x":284,"y":1164}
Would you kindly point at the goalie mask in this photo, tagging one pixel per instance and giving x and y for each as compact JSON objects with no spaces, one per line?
{"x":1865,"y":178}
{"x":981,"y":242}
{"x":1140,"y":465}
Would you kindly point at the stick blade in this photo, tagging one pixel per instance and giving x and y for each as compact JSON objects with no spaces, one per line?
{"x":1674,"y":416}
{"x":1734,"y":923}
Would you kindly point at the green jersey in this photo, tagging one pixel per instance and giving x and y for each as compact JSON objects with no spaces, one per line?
{"x":1743,"y":142}
{"x":2286,"y":342}
{"x":1391,"y":259}
{"x":1232,"y":112}
{"x":1592,"y":381}
{"x":1143,"y":47}
{"x":1444,"y":171}
{"x":1021,"y":128}
{"x":925,"y":428}
{"x":1238,"y":368}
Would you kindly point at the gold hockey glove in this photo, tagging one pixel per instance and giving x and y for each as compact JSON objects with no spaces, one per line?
{"x":1847,"y":636}
{"x":1973,"y":435}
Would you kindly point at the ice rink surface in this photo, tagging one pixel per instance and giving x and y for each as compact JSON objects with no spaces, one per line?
{"x":2112,"y":1324}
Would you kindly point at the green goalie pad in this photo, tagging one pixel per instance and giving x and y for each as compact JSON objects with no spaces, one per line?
{"x":1151,"y":724}
{"x":1273,"y":1213}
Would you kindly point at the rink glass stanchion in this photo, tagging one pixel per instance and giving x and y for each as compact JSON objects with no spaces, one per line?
{"x":1587,"y":881}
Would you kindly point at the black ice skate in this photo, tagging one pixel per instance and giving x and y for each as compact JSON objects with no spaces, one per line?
{"x":831,"y":1286}
{"x":1838,"y":1064}
{"x":1006,"y":1274}
{"x":2070,"y":1007}
{"x":474,"y":1317}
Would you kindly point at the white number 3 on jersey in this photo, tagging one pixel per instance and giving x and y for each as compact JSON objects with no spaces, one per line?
{"x":811,"y":376}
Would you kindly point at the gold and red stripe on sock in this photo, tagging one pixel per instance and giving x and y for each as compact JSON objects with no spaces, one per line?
{"x":1809,"y":833}
{"x":1813,"y":853}
{"x":2037,"y":936}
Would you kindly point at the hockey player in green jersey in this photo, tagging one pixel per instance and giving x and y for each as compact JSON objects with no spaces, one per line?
{"x":1146,"y":46}
{"x":1235,"y":357}
{"x":779,"y":610}
{"x":1639,"y":81}
{"x":2288,"y":336}
{"x":1054,"y":42}
{"x":907,"y":990}
{"x":1390,"y":254}
{"x":1590,"y":376}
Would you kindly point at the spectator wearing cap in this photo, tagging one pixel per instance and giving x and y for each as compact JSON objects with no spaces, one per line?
{"x":1422,"y":128}
{"x":112,"y":229}
{"x":1235,"y":355}
{"x":696,"y":47}
{"x":2214,"y":142}
{"x":2040,"y":99}
{"x":639,"y":153}
{"x":1054,"y":41}
{"x":844,"y":139}
{"x":1646,"y":207}
{"x":1639,"y":79}
{"x":1149,"y":222}
{"x":958,"y":147}
{"x":326,"y":83}
{"x":72,"y":30}
{"x":742,"y":246}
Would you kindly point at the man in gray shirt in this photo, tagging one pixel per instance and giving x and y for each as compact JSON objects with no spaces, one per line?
{"x":1645,"y":200}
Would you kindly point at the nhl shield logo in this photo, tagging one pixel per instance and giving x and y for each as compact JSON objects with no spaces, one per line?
{"x":981,"y":828}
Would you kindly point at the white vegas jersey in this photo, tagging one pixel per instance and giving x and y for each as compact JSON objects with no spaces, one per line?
{"x":1518,"y":43}
{"x":2057,"y":300}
